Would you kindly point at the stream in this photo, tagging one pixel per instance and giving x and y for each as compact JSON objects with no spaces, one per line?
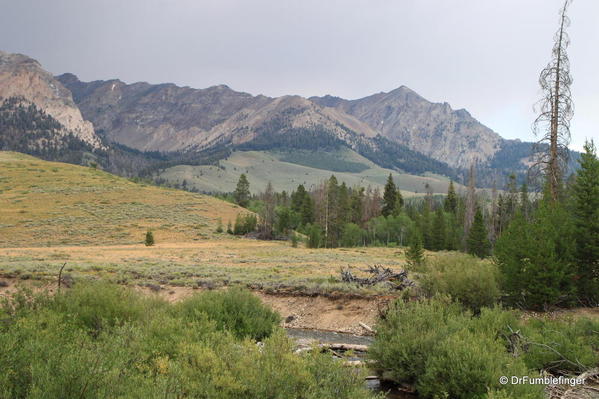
{"x":330,"y":337}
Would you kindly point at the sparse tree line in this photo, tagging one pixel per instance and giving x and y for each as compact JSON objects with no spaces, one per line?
{"x":547,"y":250}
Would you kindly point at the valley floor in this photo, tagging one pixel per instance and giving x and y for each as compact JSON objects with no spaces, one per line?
{"x":301,"y":284}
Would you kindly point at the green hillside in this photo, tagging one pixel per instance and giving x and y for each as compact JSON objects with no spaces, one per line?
{"x":51,"y":203}
{"x":286,"y":170}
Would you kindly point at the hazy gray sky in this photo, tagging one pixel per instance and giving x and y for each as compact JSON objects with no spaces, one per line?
{"x":482,"y":55}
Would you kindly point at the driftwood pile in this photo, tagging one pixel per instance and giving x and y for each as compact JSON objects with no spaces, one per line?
{"x":378,"y":275}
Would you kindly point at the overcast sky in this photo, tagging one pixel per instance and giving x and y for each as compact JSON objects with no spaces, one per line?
{"x":482,"y":55}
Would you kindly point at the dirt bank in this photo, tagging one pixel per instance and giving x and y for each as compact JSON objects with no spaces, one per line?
{"x":311,"y":312}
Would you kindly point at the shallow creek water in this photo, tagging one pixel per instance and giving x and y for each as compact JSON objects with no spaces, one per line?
{"x":329,"y":337}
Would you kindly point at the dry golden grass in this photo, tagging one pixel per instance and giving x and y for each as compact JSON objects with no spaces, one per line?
{"x":262,"y":264}
{"x":49,"y":203}
{"x":51,"y":213}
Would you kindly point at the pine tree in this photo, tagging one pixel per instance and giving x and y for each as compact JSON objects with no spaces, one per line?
{"x":389,"y":197}
{"x":586,"y":220}
{"x":524,"y":201}
{"x":307,"y":210}
{"x":415,"y":253}
{"x":439,"y":233}
{"x":399,"y":202}
{"x":426,"y":225}
{"x":478,"y":241}
{"x":357,"y":205}
{"x":536,"y":257}
{"x":297,"y":198}
{"x":149,"y":241}
{"x":242,"y":191}
{"x":451,"y":201}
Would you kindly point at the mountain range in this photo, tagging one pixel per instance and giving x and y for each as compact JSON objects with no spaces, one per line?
{"x":151,"y":128}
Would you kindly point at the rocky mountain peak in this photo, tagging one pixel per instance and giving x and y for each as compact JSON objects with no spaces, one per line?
{"x":22,"y":76}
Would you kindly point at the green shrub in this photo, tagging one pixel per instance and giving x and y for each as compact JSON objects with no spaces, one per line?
{"x":149,"y":241}
{"x":561,"y":346}
{"x":466,"y":365}
{"x":408,"y":333}
{"x":156,"y":350}
{"x":97,"y":305}
{"x":445,"y":352}
{"x":235,"y":310}
{"x":314,"y":236}
{"x":467,"y":279}
{"x":352,"y":235}
{"x":245,"y":223}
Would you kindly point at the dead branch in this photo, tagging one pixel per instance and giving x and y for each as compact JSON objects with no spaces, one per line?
{"x":378,"y":274}
{"x":60,"y":275}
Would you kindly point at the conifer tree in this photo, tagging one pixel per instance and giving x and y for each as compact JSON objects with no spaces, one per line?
{"x":415,"y":253}
{"x":297,"y":198}
{"x":524,"y":201}
{"x":451,"y":201}
{"x":242,"y":191}
{"x":149,"y":241}
{"x":439,"y":231}
{"x":536,"y":257}
{"x":357,"y":205}
{"x":478,"y":241}
{"x":586,"y":219}
{"x":389,"y":197}
{"x":398,"y":203}
{"x":307,"y":210}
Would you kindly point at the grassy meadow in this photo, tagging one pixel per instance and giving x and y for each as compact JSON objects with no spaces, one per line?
{"x":286,"y":171}
{"x":52,"y":213}
{"x":52,"y":204}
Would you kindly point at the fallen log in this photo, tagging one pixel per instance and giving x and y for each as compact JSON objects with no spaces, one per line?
{"x":346,"y":347}
{"x":366,"y":327}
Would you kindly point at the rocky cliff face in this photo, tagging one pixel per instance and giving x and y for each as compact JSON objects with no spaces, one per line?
{"x":436,"y":130}
{"x":21,"y":76}
{"x":170,"y":118}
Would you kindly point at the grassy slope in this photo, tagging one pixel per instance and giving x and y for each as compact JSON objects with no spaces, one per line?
{"x":260,"y":264}
{"x":262,"y":167}
{"x":49,"y":203}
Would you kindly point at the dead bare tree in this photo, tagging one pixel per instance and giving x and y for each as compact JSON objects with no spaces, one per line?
{"x":470,"y":201}
{"x":552,"y":126}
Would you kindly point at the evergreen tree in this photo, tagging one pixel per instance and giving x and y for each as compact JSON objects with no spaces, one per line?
{"x":399,"y":202}
{"x":149,"y":241}
{"x":586,"y":219}
{"x":439,"y":232}
{"x":343,"y":205}
{"x":451,"y":201}
{"x":331,"y":229}
{"x":389,"y":197}
{"x":415,"y":253}
{"x":426,"y":225}
{"x":298,"y":197}
{"x":524,"y":201}
{"x":478,"y":241}
{"x":242,"y":191}
{"x":307,"y":211}
{"x":357,"y":205}
{"x":536,"y":258}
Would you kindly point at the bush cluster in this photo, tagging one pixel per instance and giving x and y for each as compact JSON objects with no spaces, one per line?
{"x":102,"y":341}
{"x":245,"y":223}
{"x":467,"y":279}
{"x":445,"y":351}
